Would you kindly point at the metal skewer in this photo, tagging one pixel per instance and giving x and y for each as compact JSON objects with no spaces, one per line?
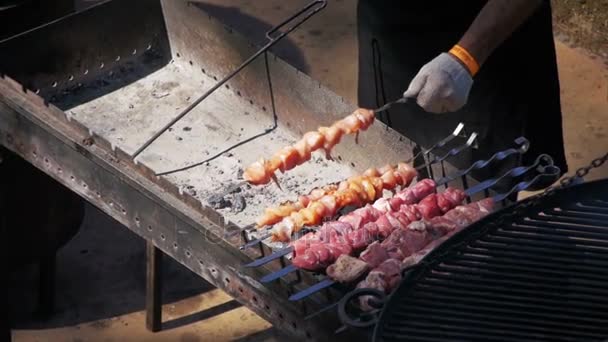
{"x":439,"y":144}
{"x":390,"y":104}
{"x":545,"y":169}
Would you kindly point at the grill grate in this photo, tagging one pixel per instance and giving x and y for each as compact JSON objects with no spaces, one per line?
{"x":543,"y":276}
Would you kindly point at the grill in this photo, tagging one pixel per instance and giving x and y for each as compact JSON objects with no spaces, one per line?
{"x":540,"y":276}
{"x":134,"y":118}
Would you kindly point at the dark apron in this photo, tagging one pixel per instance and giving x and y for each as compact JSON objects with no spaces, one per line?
{"x":39,"y":214}
{"x":516,"y":92}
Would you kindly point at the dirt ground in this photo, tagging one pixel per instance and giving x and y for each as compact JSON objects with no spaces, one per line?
{"x":100,"y":285}
{"x":585,"y":22}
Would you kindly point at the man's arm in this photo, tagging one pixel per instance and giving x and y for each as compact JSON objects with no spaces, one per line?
{"x":495,"y":23}
{"x":443,"y":84}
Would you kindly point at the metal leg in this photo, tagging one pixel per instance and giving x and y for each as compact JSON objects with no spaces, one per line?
{"x":5,"y":324}
{"x":153,"y":287}
{"x":46,"y":286}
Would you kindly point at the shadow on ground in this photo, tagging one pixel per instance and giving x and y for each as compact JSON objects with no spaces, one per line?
{"x":101,"y":274}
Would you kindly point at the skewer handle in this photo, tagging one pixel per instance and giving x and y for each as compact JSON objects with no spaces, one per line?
{"x":269,"y":258}
{"x":523,"y":146}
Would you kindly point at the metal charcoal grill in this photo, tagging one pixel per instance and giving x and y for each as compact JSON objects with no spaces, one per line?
{"x":80,"y":98}
{"x":80,"y":103}
{"x":541,"y":275}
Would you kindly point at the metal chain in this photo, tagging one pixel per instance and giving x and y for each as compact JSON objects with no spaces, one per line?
{"x":568,"y":181}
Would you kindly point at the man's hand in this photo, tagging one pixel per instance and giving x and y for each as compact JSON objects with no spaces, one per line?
{"x":442,"y":85}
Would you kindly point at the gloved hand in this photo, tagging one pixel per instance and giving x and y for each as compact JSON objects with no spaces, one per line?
{"x":442,"y":85}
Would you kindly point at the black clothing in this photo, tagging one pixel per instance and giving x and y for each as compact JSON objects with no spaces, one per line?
{"x":516,"y":92}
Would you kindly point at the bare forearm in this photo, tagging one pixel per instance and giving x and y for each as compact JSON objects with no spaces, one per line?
{"x":497,"y":20}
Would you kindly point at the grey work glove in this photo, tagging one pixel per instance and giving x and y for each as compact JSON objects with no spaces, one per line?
{"x":442,"y":85}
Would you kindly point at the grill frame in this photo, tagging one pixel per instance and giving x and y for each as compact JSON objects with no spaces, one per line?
{"x":448,"y":253}
{"x":133,"y":192}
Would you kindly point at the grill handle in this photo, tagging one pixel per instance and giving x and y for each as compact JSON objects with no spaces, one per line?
{"x":543,"y":167}
{"x":356,"y":322}
{"x":522,"y":146}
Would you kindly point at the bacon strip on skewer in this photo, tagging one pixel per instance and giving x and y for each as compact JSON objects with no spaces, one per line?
{"x":262,"y":171}
{"x":356,"y":191}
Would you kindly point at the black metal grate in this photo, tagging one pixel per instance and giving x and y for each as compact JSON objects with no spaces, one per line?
{"x":543,"y":276}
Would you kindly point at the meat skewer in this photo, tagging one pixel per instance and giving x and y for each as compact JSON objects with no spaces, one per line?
{"x":387,"y":173}
{"x":276,"y":214}
{"x":399,"y":252}
{"x":348,"y":269}
{"x":325,"y":138}
{"x":355,"y":191}
{"x":349,"y":238}
{"x":349,"y":224}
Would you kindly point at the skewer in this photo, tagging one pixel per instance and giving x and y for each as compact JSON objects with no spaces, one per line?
{"x":276,"y":275}
{"x":455,"y":151}
{"x":323,"y":284}
{"x":547,"y":169}
{"x":439,"y":144}
{"x":275,"y":255}
{"x":318,"y":312}
{"x":255,"y":242}
{"x":523,"y":146}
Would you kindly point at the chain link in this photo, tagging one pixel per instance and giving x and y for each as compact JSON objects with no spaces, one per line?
{"x":580,"y":173}
{"x":563,"y":183}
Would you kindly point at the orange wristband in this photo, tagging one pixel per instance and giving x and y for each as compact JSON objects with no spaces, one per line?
{"x":465,"y":57}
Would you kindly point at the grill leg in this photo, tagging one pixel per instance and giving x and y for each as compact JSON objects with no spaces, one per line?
{"x":5,"y":321}
{"x":5,"y":324}
{"x":153,"y":287}
{"x":46,"y":290}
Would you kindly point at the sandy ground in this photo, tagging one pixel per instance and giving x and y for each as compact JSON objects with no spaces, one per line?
{"x":100,"y":283}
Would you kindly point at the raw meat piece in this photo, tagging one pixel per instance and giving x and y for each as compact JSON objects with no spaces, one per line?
{"x":303,"y":243}
{"x":384,"y":226}
{"x":355,"y":221}
{"x":428,"y":207}
{"x":450,"y":198}
{"x":485,"y":205}
{"x":333,"y":228}
{"x":382,"y":205}
{"x":359,"y":239}
{"x":394,"y":222}
{"x":320,"y":255}
{"x":411,"y":212}
{"x":384,"y":278}
{"x":374,"y":254}
{"x":347,"y":269}
{"x":306,"y":261}
{"x":415,"y":258}
{"x":391,"y":272}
